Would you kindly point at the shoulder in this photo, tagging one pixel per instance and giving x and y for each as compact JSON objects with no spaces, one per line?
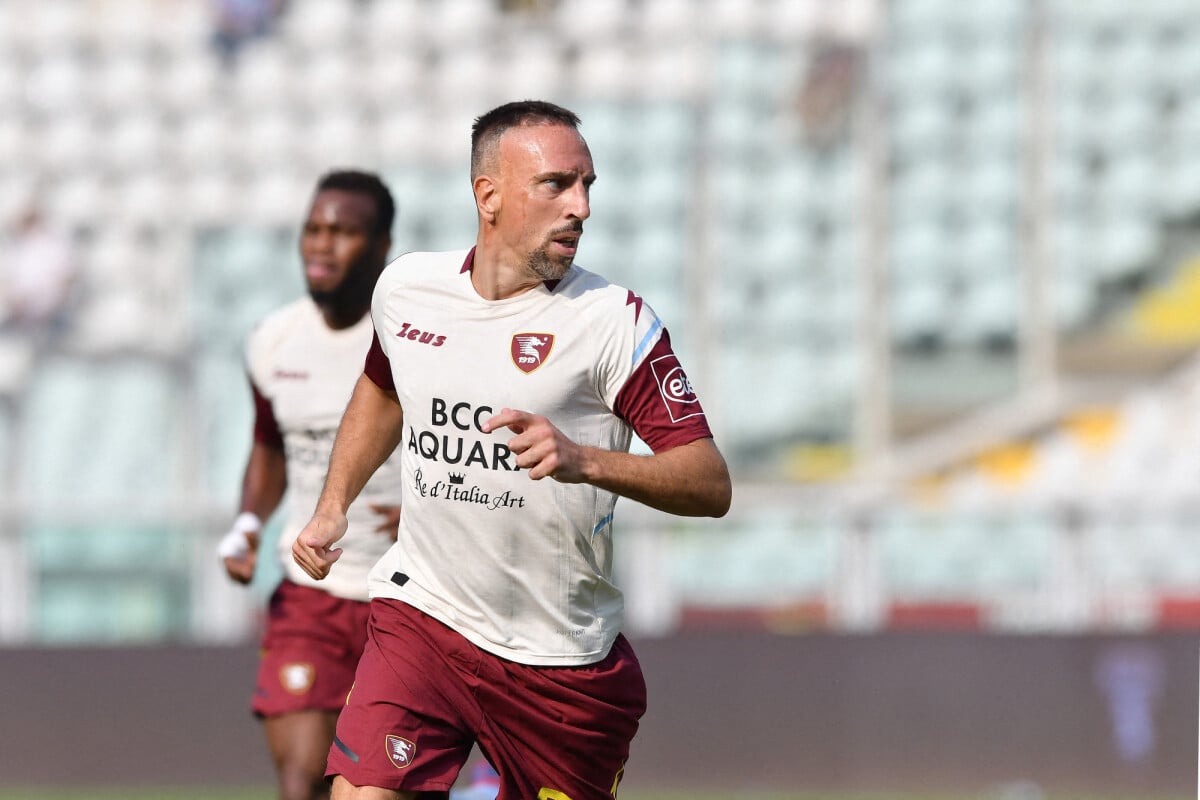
{"x":278,"y":325}
{"x":421,"y":267}
{"x":588,"y":289}
{"x":279,"y":322}
{"x":606,"y":302}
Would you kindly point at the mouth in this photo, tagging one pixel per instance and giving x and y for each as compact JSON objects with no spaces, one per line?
{"x":566,"y":243}
{"x":316,"y":271}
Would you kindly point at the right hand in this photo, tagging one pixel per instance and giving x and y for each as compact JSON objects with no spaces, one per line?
{"x":391,"y":520}
{"x":313,"y":549}
{"x":241,"y":568}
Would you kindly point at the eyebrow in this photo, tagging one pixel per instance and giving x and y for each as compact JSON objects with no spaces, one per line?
{"x":587,"y":178}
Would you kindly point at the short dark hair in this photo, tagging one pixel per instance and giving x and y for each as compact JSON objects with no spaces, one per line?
{"x":349,"y":180}
{"x":489,"y":127}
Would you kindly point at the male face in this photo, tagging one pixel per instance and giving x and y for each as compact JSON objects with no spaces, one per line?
{"x":337,"y":245}
{"x":545,"y":176}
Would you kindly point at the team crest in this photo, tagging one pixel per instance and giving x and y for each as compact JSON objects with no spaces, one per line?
{"x":530,"y":350}
{"x":297,"y":678}
{"x":400,"y":751}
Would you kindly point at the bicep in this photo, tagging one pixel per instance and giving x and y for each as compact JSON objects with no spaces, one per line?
{"x":698,"y":459}
{"x":372,"y":401}
{"x":373,"y":422}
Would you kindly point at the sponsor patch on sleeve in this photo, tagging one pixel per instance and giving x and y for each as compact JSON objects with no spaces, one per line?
{"x":675,"y":388}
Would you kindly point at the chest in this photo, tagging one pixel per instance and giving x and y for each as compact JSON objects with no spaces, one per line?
{"x":309,"y":379}
{"x":541,"y":360}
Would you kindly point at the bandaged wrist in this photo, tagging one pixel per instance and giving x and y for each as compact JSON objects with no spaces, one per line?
{"x":234,"y":544}
{"x":247,"y":522}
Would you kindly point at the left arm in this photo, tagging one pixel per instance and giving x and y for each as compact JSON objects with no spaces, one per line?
{"x":690,"y":480}
{"x":391,"y":520}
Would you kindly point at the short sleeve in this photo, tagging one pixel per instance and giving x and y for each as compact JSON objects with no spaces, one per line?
{"x":266,"y":428}
{"x":377,"y":367}
{"x":659,"y":403}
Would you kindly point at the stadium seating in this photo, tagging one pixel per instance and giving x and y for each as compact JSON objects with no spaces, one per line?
{"x":186,"y":179}
{"x":787,"y":558}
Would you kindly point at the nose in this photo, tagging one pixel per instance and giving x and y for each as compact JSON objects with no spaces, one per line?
{"x":579,"y":204}
{"x":319,"y":240}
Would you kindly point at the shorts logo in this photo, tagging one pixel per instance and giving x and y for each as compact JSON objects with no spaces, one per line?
{"x":400,"y":751}
{"x":297,"y":678}
{"x":530,"y":350}
{"x":675,"y":388}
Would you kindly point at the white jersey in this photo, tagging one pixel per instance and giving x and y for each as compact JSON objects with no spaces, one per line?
{"x":522,"y":568}
{"x":303,"y":373}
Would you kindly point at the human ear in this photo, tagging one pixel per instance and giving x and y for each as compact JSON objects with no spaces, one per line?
{"x":487,"y":198}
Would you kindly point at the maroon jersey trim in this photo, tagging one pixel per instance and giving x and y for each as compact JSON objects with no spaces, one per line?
{"x":266,"y":428}
{"x":378,"y":368}
{"x":658,"y":403}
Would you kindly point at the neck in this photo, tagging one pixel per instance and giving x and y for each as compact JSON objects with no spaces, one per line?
{"x":498,"y":274}
{"x":346,"y":305}
{"x":339,"y":317}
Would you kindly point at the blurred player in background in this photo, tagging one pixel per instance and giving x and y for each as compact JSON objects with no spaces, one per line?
{"x":512,"y":381}
{"x":38,"y":277}
{"x":303,"y":361}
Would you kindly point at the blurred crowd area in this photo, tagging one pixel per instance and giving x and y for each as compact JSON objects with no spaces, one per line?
{"x":932,"y":267}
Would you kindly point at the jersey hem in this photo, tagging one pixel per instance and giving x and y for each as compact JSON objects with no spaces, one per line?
{"x":508,"y":654}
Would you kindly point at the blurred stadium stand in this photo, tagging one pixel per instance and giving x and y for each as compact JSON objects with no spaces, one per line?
{"x":932,"y":266}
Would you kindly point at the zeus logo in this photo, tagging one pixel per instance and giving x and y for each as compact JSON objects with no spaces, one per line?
{"x":677,"y":387}
{"x":424,"y":337}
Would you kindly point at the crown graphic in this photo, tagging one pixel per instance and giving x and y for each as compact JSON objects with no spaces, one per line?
{"x":457,"y":477}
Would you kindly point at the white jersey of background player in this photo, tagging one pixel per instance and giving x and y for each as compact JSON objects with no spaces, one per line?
{"x":303,"y":362}
{"x":303,"y":373}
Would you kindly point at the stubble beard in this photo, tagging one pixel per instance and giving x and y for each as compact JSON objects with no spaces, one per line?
{"x":546,"y":267}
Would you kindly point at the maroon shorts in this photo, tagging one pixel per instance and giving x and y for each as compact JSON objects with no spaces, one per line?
{"x":309,"y":651}
{"x":423,"y":695}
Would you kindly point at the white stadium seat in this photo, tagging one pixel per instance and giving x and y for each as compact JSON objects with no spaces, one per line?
{"x":319,"y":24}
{"x":264,"y":77}
{"x":136,"y":140}
{"x":81,"y":199}
{"x":458,"y":23}
{"x":189,"y":82}
{"x":124,"y":83}
{"x":69,"y":143}
{"x":534,"y":65}
{"x":47,"y":26}
{"x":55,"y":83}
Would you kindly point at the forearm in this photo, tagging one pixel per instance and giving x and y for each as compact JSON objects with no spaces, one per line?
{"x":689,"y":480}
{"x":370,"y":430}
{"x":264,"y":481}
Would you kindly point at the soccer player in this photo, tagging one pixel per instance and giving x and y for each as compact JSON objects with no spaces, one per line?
{"x":511,"y":381}
{"x":303,"y":361}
